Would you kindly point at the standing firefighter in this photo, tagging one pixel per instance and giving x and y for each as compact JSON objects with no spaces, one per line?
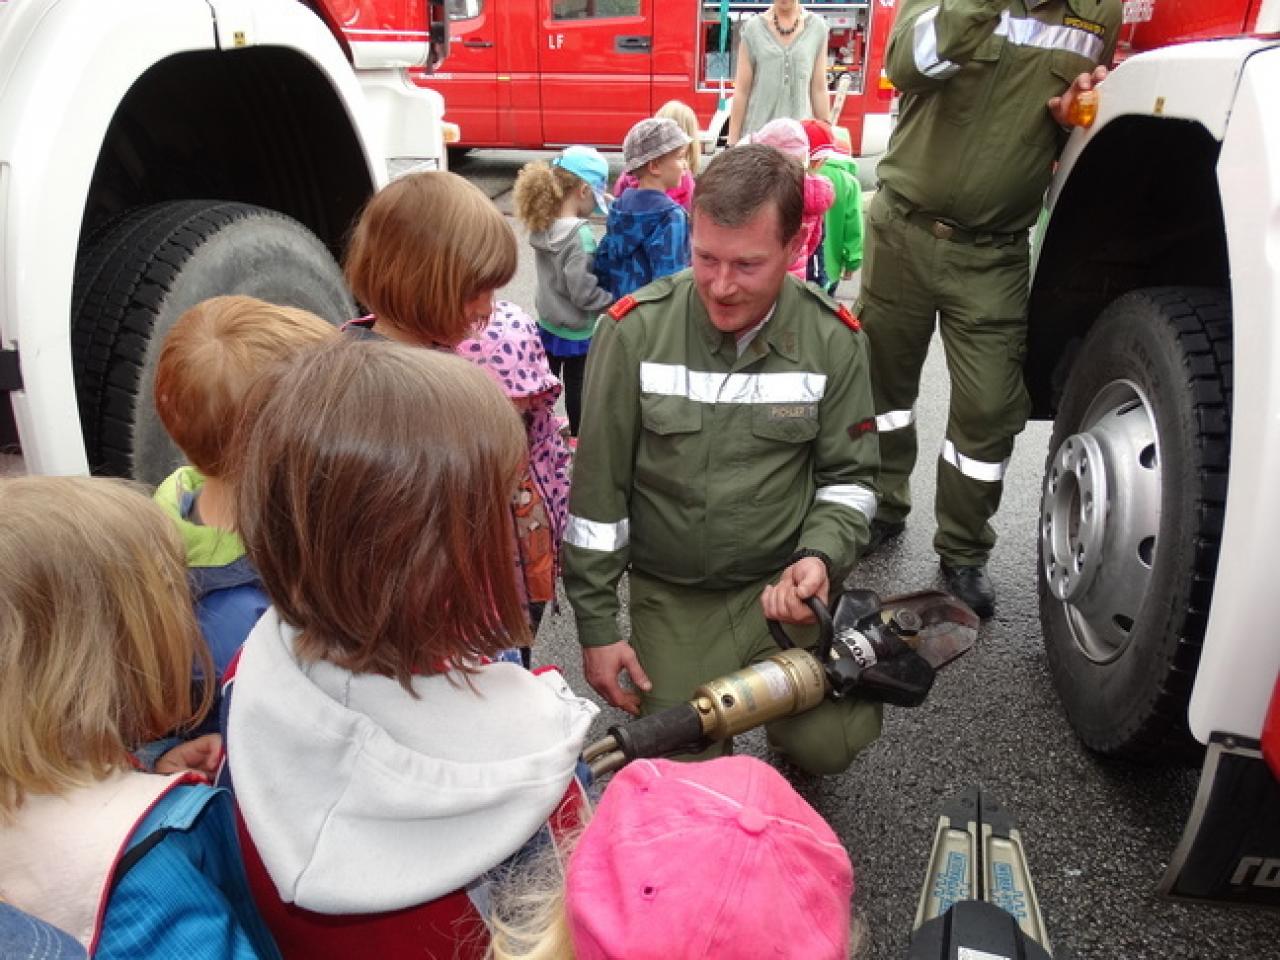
{"x":987,"y":86}
{"x":726,"y":436}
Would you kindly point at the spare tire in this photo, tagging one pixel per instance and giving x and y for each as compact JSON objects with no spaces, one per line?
{"x":137,"y":274}
{"x":1131,"y":518}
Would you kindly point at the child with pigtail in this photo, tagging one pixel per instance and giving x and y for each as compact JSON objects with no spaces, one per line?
{"x":553,"y":201}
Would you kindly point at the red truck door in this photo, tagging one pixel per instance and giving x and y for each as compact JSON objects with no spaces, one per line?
{"x":596,"y":66}
{"x":468,"y":78}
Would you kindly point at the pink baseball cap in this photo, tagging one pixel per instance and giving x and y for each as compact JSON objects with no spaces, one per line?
{"x":786,"y":135}
{"x":714,"y":859}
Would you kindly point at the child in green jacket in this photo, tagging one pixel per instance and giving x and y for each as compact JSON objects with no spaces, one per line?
{"x":842,"y":242}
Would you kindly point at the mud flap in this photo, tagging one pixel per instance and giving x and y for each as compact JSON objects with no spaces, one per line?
{"x":978,"y":901}
{"x":1230,"y":849}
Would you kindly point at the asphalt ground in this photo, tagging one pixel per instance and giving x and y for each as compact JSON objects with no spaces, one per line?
{"x":1098,"y":834}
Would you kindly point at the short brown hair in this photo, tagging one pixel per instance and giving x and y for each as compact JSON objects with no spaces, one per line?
{"x":740,"y":181}
{"x":97,"y":632}
{"x":425,"y":245}
{"x":374,"y":498}
{"x":209,"y":360}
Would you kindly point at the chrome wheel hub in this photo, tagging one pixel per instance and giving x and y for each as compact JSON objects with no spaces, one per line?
{"x":1100,"y":515}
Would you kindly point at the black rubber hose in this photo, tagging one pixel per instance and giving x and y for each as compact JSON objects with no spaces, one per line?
{"x":677,"y":729}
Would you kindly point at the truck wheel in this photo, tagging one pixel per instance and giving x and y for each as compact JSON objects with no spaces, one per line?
{"x":137,"y":274}
{"x":1131,"y":518}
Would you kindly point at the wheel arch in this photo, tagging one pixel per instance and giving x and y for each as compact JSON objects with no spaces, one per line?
{"x":1122,"y":222}
{"x":298,"y":153}
{"x":74,"y":74}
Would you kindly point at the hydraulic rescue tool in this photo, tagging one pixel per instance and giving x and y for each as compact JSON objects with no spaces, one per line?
{"x":978,"y":902}
{"x":888,"y":651}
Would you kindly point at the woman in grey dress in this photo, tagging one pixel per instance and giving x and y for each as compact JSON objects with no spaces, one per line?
{"x":782,"y":69}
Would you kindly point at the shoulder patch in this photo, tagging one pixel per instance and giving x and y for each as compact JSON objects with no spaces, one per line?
{"x":848,"y":319}
{"x":622,"y":307}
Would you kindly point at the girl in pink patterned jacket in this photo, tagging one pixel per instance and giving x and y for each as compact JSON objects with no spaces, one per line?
{"x":510,"y":351}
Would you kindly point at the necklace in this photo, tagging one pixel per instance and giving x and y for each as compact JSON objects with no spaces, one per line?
{"x":789,"y":30}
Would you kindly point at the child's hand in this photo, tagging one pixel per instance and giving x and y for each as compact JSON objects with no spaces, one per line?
{"x":200,"y":755}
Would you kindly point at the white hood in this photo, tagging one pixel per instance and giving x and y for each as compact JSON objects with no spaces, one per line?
{"x":362,"y":799}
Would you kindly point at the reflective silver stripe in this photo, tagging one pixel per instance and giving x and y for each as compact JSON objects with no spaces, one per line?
{"x":677,"y":380}
{"x":852,"y":495}
{"x":1047,"y":36}
{"x":924,"y":48}
{"x":975,"y":469}
{"x":895,"y":420}
{"x":593,"y":535}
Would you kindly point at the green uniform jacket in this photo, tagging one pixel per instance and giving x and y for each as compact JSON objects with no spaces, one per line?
{"x":707,"y":469}
{"x":975,"y":143}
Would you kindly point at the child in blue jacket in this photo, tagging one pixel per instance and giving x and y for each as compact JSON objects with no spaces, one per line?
{"x":647,"y":233}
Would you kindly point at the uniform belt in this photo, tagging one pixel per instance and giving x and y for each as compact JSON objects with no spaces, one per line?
{"x":944,"y":229}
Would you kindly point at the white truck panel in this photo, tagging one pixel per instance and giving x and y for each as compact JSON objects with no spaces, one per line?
{"x":1188,"y":82}
{"x":65,"y":66}
{"x":70,"y":62}
{"x":1241,"y":657}
{"x":396,"y":119}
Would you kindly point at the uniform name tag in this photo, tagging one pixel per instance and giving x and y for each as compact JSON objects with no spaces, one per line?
{"x":793,"y":411}
{"x":1097,"y":29}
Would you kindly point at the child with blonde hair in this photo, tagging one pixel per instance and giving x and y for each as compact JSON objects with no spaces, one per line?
{"x":426,"y":257}
{"x":553,"y":201}
{"x":207,"y":363}
{"x":633,"y":884}
{"x":687,"y":120}
{"x":382,"y":763}
{"x":97,"y":638}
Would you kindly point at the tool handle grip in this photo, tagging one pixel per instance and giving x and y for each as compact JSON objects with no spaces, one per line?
{"x":674,"y":730}
{"x":825,"y":629}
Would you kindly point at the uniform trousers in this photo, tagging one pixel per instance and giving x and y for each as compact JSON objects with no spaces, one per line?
{"x":974,"y":286}
{"x":685,"y":636}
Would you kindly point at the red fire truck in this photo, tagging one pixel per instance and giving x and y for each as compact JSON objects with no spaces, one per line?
{"x":1154,"y":344}
{"x":545,"y":73}
{"x":157,"y":152}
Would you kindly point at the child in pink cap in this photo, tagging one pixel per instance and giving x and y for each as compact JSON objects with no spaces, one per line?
{"x":635,"y":887}
{"x":789,"y":137}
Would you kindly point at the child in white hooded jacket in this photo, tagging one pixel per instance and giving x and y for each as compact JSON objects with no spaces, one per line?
{"x":381,"y":763}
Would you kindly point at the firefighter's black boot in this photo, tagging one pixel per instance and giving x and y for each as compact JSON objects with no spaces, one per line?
{"x":973,"y":586}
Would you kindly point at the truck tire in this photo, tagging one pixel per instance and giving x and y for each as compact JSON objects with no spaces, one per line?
{"x":1131,"y":519}
{"x":137,"y":274}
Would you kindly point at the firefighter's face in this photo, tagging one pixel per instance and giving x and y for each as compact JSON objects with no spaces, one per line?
{"x":739,"y":271}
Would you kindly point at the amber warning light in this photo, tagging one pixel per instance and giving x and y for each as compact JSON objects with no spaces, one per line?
{"x":1084,"y":109}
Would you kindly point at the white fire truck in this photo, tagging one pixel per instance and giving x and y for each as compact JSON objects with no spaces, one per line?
{"x":1155,"y":345}
{"x":157,"y":152}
